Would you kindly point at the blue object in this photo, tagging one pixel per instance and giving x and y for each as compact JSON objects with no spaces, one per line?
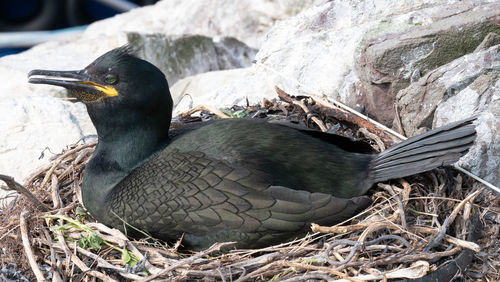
{"x":24,"y":23}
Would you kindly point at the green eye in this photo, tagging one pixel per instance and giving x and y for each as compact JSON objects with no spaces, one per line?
{"x":111,"y":79}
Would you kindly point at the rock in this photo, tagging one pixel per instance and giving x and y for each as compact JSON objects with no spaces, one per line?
{"x":315,"y":52}
{"x":176,"y":56}
{"x":482,"y":98}
{"x":491,"y":39}
{"x":247,"y":21}
{"x":417,"y":103}
{"x":221,"y":89}
{"x":387,"y":64}
{"x":462,"y":88}
{"x":32,"y":123}
{"x":181,"y":56}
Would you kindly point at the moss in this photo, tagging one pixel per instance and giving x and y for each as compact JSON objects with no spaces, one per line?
{"x":456,"y":43}
{"x":384,"y":27}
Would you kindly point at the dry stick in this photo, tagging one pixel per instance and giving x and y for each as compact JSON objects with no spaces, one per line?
{"x":178,"y":243}
{"x":311,"y":276}
{"x":369,"y":124}
{"x":49,"y":173}
{"x":53,"y":263}
{"x":77,"y":149}
{"x":401,"y":209}
{"x":36,"y":173}
{"x":453,"y":240}
{"x":315,"y":119}
{"x":54,"y":188}
{"x":449,"y":220}
{"x":373,"y":137}
{"x":82,"y":154}
{"x":257,"y":272}
{"x":84,"y":268}
{"x":213,"y":248}
{"x":52,"y":165}
{"x":67,"y":251}
{"x":123,"y":242}
{"x":205,"y":108}
{"x":409,"y":258}
{"x":27,"y":248}
{"x":76,"y":260}
{"x":301,"y":104}
{"x":406,"y":190}
{"x":104,"y":264}
{"x":14,"y":186}
{"x":7,"y":233}
{"x":315,"y":268}
{"x":397,"y":121}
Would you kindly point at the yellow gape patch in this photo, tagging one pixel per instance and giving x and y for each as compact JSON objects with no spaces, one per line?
{"x":108,"y":91}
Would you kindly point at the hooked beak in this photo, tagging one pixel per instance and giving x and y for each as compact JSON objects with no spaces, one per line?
{"x":78,"y":82}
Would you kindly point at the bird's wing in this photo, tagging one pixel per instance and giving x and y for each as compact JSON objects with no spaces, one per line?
{"x":179,"y":192}
{"x":345,"y":143}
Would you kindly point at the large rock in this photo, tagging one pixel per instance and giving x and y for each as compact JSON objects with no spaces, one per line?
{"x":417,"y":103}
{"x":390,"y":63}
{"x":315,"y":52}
{"x":247,"y":21}
{"x":465,"y":87}
{"x":221,"y":89}
{"x":176,"y":56}
{"x":31,"y":124}
{"x":480,"y":97}
{"x":181,"y":56}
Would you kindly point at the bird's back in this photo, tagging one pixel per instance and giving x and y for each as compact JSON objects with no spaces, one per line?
{"x":241,"y":180}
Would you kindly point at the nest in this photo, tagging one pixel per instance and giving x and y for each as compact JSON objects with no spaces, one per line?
{"x":437,"y":225}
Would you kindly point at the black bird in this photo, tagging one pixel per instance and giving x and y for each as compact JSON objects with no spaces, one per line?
{"x":242,"y":180}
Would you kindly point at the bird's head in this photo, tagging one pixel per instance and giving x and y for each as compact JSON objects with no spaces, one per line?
{"x":117,"y":87}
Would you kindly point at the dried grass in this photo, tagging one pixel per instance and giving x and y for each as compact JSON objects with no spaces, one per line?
{"x":417,"y":225}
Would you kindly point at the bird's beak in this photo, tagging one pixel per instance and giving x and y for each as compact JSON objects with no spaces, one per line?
{"x":77,"y":82}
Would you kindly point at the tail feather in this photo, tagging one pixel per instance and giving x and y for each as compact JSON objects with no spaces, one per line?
{"x":441,"y":146}
{"x":428,"y":151}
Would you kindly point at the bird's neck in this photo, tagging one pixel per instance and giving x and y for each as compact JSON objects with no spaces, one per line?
{"x":118,"y":152}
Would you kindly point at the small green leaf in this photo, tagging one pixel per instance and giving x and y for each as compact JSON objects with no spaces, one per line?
{"x":94,"y":241}
{"x":61,"y":227}
{"x":226,"y":112}
{"x":83,"y":242}
{"x":80,"y":211}
{"x":125,"y":257}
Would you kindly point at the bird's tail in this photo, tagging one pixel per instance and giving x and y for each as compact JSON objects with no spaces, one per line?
{"x":440,"y":146}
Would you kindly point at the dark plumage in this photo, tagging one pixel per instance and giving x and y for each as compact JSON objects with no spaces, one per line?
{"x":241,"y":180}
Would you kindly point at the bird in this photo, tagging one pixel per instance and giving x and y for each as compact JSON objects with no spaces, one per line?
{"x":248,"y":181}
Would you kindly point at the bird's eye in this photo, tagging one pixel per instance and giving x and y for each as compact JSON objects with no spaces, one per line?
{"x":111,"y":79}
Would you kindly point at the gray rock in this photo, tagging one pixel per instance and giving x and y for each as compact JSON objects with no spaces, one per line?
{"x":181,"y":56}
{"x":491,"y":39}
{"x":387,"y":64}
{"x":482,"y":98}
{"x":32,"y":123}
{"x":465,"y":87}
{"x":248,"y":21}
{"x":417,"y":103}
{"x":315,"y":51}
{"x":221,"y":89}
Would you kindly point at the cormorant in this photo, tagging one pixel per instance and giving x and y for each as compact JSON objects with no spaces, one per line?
{"x":249,"y":181}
